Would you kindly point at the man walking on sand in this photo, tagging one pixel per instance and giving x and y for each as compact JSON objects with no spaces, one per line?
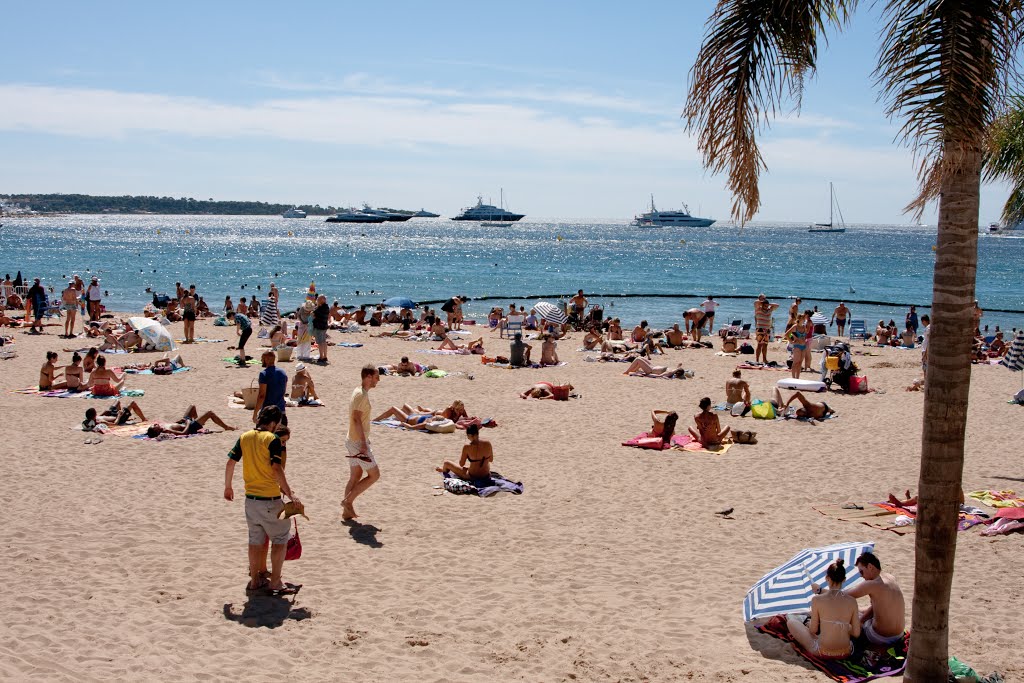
{"x":363,"y":470}
{"x":260,"y":451}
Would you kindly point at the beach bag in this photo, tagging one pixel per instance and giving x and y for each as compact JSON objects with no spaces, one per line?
{"x":293,"y":550}
{"x":859,"y":384}
{"x":284,"y":353}
{"x":249,"y":395}
{"x":763,"y":411}
{"x":746,"y":348}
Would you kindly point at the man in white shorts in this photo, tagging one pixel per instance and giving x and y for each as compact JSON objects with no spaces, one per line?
{"x":363,"y":470}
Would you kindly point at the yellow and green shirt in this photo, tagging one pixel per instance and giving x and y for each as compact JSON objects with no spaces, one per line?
{"x":259,"y":451}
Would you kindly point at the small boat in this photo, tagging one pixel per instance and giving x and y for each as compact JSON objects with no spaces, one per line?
{"x":833,"y":209}
{"x":487,"y":212}
{"x":423,"y":213}
{"x":295,"y":212}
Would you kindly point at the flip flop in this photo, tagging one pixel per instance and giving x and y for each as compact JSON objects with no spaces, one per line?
{"x":289,"y":589}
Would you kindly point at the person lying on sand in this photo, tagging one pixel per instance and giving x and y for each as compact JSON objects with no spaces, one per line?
{"x":190,"y":423}
{"x":812,"y":409}
{"x":477,"y":453}
{"x":910,"y":501}
{"x":418,"y":415}
{"x":404,"y":367}
{"x":475,"y":346}
{"x":709,"y":432}
{"x":547,"y":390}
{"x":116,"y":414}
{"x":642,"y":366}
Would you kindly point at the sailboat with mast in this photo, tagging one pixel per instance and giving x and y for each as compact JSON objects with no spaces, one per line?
{"x":833,"y":209}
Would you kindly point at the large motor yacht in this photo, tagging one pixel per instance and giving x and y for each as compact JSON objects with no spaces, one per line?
{"x":294,"y":213}
{"x":356,"y":216}
{"x":487,"y":212}
{"x":682,"y":217}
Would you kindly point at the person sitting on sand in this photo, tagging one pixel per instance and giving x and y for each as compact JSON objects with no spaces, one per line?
{"x":116,"y":414}
{"x":663,"y":424}
{"x":813,"y":409}
{"x":548,"y":350}
{"x":89,"y":361}
{"x":884,"y":621}
{"x":275,"y":338}
{"x":615,"y":330}
{"x":49,"y":373}
{"x":834,"y":619}
{"x":190,"y":423}
{"x":478,"y":454}
{"x":639,"y":332}
{"x":675,"y":336}
{"x":104,"y":382}
{"x":302,"y":384}
{"x":74,"y":375}
{"x":642,"y":366}
{"x":908,"y":338}
{"x":519,"y":351}
{"x":592,"y":339}
{"x":709,"y":432}
{"x":882,"y":333}
{"x":737,"y":394}
{"x":547,"y":390}
{"x":997,"y":349}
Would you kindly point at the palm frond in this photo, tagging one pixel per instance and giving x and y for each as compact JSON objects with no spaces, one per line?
{"x":1004,"y":157}
{"x":754,"y":57}
{"x":945,"y":66}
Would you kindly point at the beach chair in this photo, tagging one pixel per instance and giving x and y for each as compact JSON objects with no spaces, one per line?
{"x":744,"y":332}
{"x":731,"y":328}
{"x":513,"y":324}
{"x":858,"y":330}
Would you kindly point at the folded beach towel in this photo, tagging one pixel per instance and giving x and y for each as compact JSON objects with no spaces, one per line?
{"x":862,"y":665}
{"x":349,"y":345}
{"x":485,"y":488}
{"x":998,"y":499}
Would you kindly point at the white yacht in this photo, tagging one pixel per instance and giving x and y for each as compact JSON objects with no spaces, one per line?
{"x":294,"y":212}
{"x":388,"y":214}
{"x":1001,"y":229}
{"x":488,"y":212}
{"x":679,"y":217}
{"x":356,"y":216}
{"x":423,"y":213}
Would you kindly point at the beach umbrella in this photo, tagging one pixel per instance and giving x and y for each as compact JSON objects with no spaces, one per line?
{"x":788,"y":588}
{"x":1014,"y":359}
{"x":819,"y":318}
{"x":550,"y":312}
{"x":153,"y":332}
{"x":399,"y":302}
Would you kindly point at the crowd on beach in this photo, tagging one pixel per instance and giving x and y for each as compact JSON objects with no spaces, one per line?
{"x":834,"y":620}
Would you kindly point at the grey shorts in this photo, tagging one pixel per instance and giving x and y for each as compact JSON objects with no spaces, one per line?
{"x":320,"y":336}
{"x":261,"y":516}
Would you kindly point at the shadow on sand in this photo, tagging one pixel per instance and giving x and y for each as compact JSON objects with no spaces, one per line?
{"x":265,"y":611}
{"x":773,"y":648}
{"x":365,"y":534}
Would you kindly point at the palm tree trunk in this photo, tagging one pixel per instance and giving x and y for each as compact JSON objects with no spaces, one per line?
{"x":947,"y":385}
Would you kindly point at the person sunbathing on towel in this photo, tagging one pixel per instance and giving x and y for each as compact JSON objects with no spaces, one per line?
{"x":116,"y":414}
{"x":834,"y":619}
{"x":417,"y":417}
{"x":1003,"y":525}
{"x":910,"y":501}
{"x":404,"y":367}
{"x":642,"y":366}
{"x":190,"y":423}
{"x":475,"y":346}
{"x":547,"y":390}
{"x":812,"y":409}
{"x":478,"y":454}
{"x":709,"y":432}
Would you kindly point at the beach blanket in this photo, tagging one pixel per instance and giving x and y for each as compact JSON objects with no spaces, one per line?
{"x":862,"y":665}
{"x":753,"y":366}
{"x":348,"y":345}
{"x":201,"y":340}
{"x":683,"y":442}
{"x":36,"y":391}
{"x":669,"y":376}
{"x":534,"y":366}
{"x":167,"y":436}
{"x":888,"y":517}
{"x":149,"y":371}
{"x":234,"y":360}
{"x":998,"y":499}
{"x":485,"y":488}
{"x":445,"y":352}
{"x":598,"y":359}
{"x":395,"y":423}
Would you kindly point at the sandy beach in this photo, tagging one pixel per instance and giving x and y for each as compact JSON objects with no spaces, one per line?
{"x":124,"y":562}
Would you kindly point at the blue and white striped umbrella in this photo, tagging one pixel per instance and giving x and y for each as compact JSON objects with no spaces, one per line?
{"x":1014,"y":359}
{"x":788,"y":588}
{"x":550,"y":312}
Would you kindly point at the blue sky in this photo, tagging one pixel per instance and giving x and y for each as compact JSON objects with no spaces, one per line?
{"x":571,"y":107}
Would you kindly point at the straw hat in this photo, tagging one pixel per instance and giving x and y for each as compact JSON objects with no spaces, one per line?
{"x":292,"y":508}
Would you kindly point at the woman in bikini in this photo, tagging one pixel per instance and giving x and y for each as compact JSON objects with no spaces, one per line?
{"x":188,"y":314}
{"x":74,"y":375}
{"x":799,"y":334}
{"x":835,"y":619}
{"x":547,"y":390}
{"x":709,"y":432}
{"x":642,"y":366}
{"x":416,"y":418}
{"x":190,"y":423}
{"x":478,"y":454}
{"x":103,"y":382}
{"x":49,"y":372}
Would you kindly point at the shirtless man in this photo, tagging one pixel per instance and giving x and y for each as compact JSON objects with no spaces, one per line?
{"x":840,"y":316}
{"x":737,"y":394}
{"x":69,"y":304}
{"x":693,"y":317}
{"x":548,"y":350}
{"x":190,"y":423}
{"x":579,"y":302}
{"x":884,"y":621}
{"x":674,"y":336}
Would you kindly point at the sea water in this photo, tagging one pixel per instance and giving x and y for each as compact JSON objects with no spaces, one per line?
{"x":432,"y":259}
